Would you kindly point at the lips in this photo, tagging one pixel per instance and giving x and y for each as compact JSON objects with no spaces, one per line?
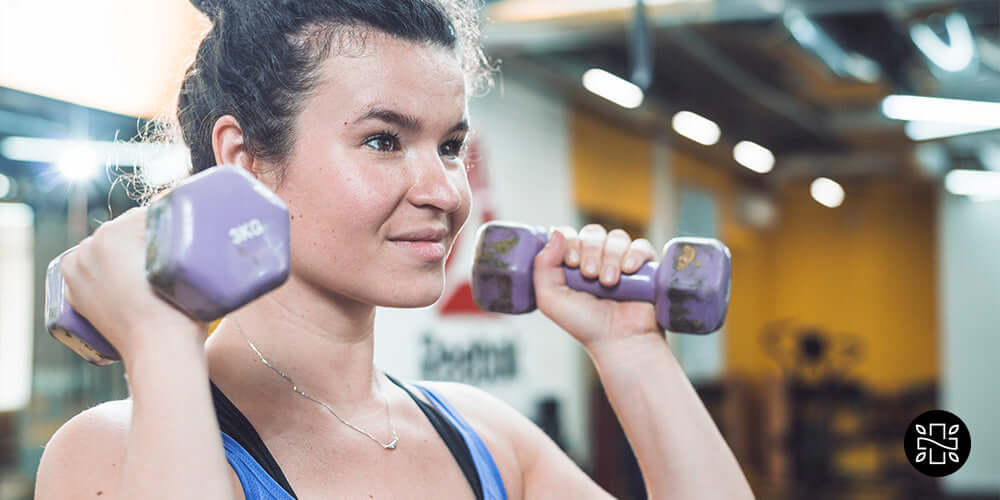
{"x":429,"y":234}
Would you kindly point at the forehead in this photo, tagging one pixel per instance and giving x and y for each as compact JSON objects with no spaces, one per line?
{"x":379,"y":69}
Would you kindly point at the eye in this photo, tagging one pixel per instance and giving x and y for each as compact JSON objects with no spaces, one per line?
{"x":452,"y":148}
{"x":383,"y":142}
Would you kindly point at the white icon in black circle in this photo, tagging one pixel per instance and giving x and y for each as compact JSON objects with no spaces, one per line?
{"x":937,"y":443}
{"x":936,"y":446}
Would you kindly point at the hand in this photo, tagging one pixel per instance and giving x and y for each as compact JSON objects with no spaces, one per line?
{"x":597,"y":252}
{"x":106,"y":283}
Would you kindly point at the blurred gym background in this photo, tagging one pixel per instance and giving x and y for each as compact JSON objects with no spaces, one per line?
{"x":811,"y":136}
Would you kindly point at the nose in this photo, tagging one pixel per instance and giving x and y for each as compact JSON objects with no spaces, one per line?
{"x":438,"y":183}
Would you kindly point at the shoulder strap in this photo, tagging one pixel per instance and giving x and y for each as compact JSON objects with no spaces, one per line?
{"x":233,"y":423}
{"x":452,"y":438}
{"x":492,"y":482}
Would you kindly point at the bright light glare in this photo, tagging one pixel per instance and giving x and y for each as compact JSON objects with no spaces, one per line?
{"x":827,"y":192}
{"x":975,"y":183}
{"x":160,"y":163}
{"x":925,"y":131}
{"x":696,"y":127}
{"x":17,"y":293}
{"x":936,"y":109}
{"x":617,"y":90}
{"x":4,"y":186}
{"x":79,"y":163}
{"x":952,"y":56}
{"x":754,"y":156}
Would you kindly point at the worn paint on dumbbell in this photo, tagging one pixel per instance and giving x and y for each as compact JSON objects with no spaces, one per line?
{"x":491,"y":255}
{"x":686,"y":257}
{"x":688,"y":298}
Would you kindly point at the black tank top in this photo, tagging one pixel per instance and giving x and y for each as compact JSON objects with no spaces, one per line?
{"x":236,"y":425}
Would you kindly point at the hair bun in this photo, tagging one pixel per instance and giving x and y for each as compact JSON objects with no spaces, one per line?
{"x":211,"y":8}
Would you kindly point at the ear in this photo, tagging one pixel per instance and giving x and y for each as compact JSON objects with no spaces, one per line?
{"x":228,"y":145}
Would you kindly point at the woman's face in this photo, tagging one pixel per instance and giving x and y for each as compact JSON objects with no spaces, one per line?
{"x":377,"y":160}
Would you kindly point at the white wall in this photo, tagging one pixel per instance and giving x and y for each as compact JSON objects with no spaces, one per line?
{"x":526,"y":145}
{"x":969,"y":267}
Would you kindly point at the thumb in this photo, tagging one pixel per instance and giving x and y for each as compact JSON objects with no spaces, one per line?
{"x":548,"y":263}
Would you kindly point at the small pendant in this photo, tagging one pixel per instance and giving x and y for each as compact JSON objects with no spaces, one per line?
{"x":392,"y":445}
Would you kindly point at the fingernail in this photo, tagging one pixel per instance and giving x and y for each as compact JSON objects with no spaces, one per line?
{"x":608,"y":274}
{"x":591,"y":268}
{"x":573,"y":257}
{"x":629,"y":263}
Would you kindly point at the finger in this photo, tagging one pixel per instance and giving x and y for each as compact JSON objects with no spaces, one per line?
{"x":592,"y":238}
{"x":548,"y":268}
{"x":638,"y":254}
{"x":615,"y":246}
{"x":572,"y":253}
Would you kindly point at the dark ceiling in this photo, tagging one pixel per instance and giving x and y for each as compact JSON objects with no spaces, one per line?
{"x":740,"y":65}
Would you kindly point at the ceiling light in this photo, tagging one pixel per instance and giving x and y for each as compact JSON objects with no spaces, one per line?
{"x":976,"y":183}
{"x":696,"y":127}
{"x":78,"y":163}
{"x":937,"y":109}
{"x":827,"y":192}
{"x":754,"y":156}
{"x":613,"y":88}
{"x":925,"y":131}
{"x":952,"y":56}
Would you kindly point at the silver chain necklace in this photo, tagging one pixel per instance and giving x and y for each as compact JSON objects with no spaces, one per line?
{"x":387,"y":446}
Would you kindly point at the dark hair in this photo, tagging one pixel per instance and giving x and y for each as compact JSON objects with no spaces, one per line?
{"x":261,"y":58}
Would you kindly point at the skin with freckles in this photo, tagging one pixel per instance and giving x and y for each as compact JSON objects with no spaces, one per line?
{"x":377,"y":154}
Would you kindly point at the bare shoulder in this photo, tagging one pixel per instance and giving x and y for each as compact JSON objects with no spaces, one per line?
{"x":84,"y":457}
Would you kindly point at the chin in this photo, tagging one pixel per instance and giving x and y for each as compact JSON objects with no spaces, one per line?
{"x":413,"y":301}
{"x":421,"y":293}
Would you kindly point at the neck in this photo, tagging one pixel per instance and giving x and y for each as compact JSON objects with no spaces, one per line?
{"x":325,"y":346}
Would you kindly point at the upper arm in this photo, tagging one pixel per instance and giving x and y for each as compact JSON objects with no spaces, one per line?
{"x":546,"y":471}
{"x":84,"y":458}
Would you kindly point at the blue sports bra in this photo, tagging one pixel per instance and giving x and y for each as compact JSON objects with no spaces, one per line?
{"x":262,"y":479}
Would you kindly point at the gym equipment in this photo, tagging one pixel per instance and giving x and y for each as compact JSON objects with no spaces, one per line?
{"x":689,"y":287}
{"x":215,"y":242}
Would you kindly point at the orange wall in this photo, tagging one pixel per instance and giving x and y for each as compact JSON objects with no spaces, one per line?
{"x":864,"y":270}
{"x":612,"y":170}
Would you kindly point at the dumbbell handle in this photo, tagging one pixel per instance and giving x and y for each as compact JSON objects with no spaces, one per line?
{"x":638,"y":286}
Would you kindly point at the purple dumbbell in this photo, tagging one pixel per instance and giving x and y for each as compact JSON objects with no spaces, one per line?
{"x":215,"y":242}
{"x":689,"y":287}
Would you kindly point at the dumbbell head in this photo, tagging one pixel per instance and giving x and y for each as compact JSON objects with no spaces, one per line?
{"x":692,"y":285}
{"x":502,"y":271}
{"x":215,"y":242}
{"x":689,"y":287}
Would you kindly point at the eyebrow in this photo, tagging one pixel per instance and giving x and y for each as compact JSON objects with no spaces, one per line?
{"x":405,"y":121}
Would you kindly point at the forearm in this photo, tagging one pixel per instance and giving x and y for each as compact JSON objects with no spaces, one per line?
{"x":174,"y":444}
{"x":679,"y":448}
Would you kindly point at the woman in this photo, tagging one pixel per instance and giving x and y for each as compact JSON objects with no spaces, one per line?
{"x":355,"y":113}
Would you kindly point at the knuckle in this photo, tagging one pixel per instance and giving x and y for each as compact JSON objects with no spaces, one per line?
{"x":644,"y":244}
{"x":567,"y":231}
{"x":592,"y":229}
{"x":619,"y":233}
